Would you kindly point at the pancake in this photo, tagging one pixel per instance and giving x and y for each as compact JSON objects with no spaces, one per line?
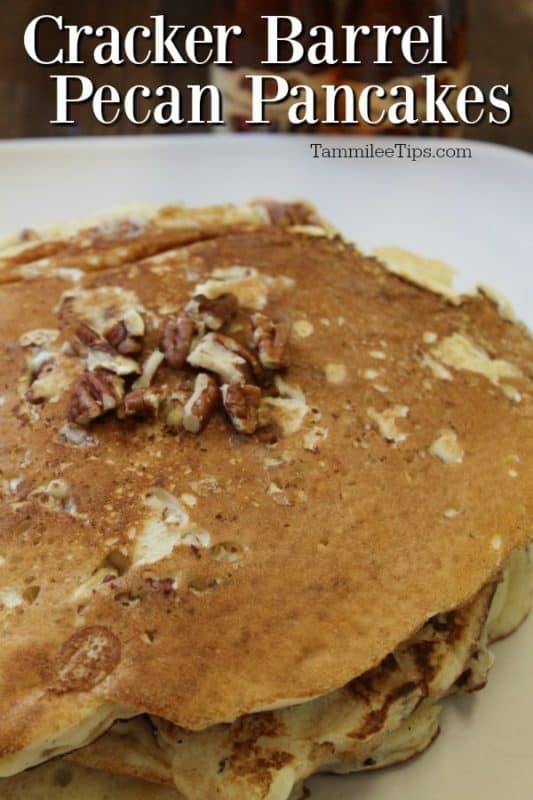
{"x":181,"y":567}
{"x":58,"y":780}
{"x":129,"y":748}
{"x":385,"y":717}
{"x":134,"y":232}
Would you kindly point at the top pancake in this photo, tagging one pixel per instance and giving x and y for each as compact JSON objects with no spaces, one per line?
{"x":405,"y":487}
{"x":124,"y":235}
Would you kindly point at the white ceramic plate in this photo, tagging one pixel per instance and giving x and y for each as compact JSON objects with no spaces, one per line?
{"x":477,"y":214}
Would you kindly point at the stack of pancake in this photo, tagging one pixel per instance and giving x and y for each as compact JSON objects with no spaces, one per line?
{"x":266,"y":501}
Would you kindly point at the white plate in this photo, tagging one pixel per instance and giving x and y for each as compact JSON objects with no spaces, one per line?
{"x":477,"y":214}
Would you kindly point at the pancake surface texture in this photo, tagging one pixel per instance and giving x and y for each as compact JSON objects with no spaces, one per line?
{"x":198,"y":577}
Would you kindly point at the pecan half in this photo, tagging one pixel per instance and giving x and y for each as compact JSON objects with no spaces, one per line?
{"x":213,"y":313}
{"x":271,"y":339}
{"x":93,"y":394}
{"x":201,"y":404}
{"x":227,"y":358}
{"x":241,"y":402}
{"x":84,"y":407}
{"x":120,"y":339}
{"x":176,"y":341}
{"x":236,"y":347}
{"x":143,"y":402}
{"x":126,"y":334}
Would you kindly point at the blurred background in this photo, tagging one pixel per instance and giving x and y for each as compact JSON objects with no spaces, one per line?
{"x":493,"y":37}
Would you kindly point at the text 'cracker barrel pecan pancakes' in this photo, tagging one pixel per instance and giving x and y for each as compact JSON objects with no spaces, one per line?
{"x":266,"y":501}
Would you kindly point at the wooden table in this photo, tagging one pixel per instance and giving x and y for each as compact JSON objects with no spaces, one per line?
{"x":500,"y":45}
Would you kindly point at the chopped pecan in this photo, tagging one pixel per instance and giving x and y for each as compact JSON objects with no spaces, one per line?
{"x":120,"y":339}
{"x":236,"y":347}
{"x":39,"y":362}
{"x":182,"y":386}
{"x":244,"y":329}
{"x":108,"y":387}
{"x":86,"y":338}
{"x":143,"y":402}
{"x":241,"y":402}
{"x":40,"y":368}
{"x":176,"y":341}
{"x":101,"y":354}
{"x":95,"y":393}
{"x":87,"y":335}
{"x":173,"y":412}
{"x":271,"y":339}
{"x":149,"y":369}
{"x":134,"y":322}
{"x":180,"y":390}
{"x":213,"y":313}
{"x":201,"y":404}
{"x":225,"y":357}
{"x":111,"y":361}
{"x":126,"y":334}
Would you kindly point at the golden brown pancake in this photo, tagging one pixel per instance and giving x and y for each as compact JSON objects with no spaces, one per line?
{"x":129,"y":748}
{"x":132,"y":233}
{"x":396,"y":485}
{"x":386,"y":716}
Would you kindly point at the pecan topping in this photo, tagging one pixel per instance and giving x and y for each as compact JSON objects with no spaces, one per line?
{"x":242,"y":403}
{"x":173,"y":408}
{"x":271,"y":339}
{"x":120,"y":339}
{"x":235,"y":347}
{"x":95,"y":393}
{"x":196,"y":338}
{"x":212,"y":313}
{"x":86,"y":338}
{"x":150,"y":367}
{"x":201,"y":404}
{"x":223,"y":356}
{"x":143,"y":402}
{"x":176,"y":341}
{"x":100,"y":353}
{"x":39,"y":369}
{"x":134,"y":322}
{"x":173,"y":412}
{"x":111,"y":361}
{"x":87,"y":335}
{"x":126,"y":335}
